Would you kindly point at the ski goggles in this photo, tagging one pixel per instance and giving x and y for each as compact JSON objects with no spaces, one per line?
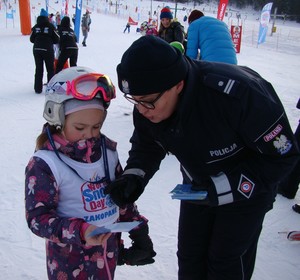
{"x":87,"y":86}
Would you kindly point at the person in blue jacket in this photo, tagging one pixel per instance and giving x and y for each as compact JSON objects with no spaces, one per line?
{"x":211,"y":37}
{"x":227,"y":127}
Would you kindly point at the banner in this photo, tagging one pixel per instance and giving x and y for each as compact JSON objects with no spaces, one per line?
{"x":236,"y":34}
{"x":264,"y":20}
{"x":67,"y":7}
{"x":77,"y":18}
{"x":222,"y":9}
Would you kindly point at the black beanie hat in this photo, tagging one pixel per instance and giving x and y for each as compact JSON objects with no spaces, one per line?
{"x":150,"y":65}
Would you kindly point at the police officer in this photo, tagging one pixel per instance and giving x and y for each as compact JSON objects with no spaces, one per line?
{"x":228,"y":129}
{"x":43,"y":36}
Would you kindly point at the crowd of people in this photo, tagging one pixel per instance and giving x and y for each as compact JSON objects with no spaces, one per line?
{"x":199,"y":90}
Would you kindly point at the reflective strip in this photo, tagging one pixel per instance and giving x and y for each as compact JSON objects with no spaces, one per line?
{"x":135,"y":171}
{"x":223,"y":188}
{"x":225,"y":199}
{"x":229,"y":86}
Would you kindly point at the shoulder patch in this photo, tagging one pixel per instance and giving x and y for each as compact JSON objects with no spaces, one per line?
{"x":221,"y":83}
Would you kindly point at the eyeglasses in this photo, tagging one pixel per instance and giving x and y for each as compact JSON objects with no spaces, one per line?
{"x":87,"y":86}
{"x":146,"y":104}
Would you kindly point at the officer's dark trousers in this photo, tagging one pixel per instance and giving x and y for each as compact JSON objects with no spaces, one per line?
{"x":71,"y":54}
{"x":219,"y":243}
{"x":39,"y":57}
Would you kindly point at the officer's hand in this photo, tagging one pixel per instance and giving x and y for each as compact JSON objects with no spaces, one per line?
{"x":125,"y":189}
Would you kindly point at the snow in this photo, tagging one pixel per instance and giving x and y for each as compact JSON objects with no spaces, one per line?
{"x":22,"y":254}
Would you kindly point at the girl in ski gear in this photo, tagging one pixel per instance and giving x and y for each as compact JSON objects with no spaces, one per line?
{"x":66,"y":178}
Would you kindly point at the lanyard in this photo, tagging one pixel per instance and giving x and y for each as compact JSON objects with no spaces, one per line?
{"x":104,"y":154}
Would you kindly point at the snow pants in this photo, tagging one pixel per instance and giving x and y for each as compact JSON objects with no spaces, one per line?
{"x":219,"y":243}
{"x":71,"y":54}
{"x":41,"y":56}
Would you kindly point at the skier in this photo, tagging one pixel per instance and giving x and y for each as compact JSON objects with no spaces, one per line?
{"x":65,"y":179}
{"x":127,"y":27}
{"x":85,"y":26}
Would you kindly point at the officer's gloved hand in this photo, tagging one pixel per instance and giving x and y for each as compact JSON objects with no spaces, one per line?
{"x":204,"y":185}
{"x":141,"y":252}
{"x":126,"y":189}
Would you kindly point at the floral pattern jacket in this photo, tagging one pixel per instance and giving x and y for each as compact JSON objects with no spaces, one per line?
{"x":67,"y":255}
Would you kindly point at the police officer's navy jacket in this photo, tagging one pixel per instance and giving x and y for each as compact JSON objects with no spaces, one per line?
{"x":230,"y":133}
{"x":43,"y":35}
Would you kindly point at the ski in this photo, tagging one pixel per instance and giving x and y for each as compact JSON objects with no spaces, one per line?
{"x":291,"y":235}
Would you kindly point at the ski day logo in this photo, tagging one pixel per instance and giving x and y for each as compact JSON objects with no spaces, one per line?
{"x":94,"y":198}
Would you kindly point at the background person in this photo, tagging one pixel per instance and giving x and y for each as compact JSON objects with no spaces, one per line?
{"x":211,"y":38}
{"x":65,"y":178}
{"x":43,"y":36}
{"x":85,"y":26}
{"x":68,"y":49}
{"x":228,"y":129}
{"x":170,"y":30}
{"x":127,"y":28}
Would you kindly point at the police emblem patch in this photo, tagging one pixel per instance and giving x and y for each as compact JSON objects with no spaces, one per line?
{"x":282,"y":144}
{"x":125,"y":86}
{"x":246,"y":186}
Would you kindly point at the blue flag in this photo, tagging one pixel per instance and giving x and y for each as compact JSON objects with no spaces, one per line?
{"x":77,"y":18}
{"x":9,"y":15}
{"x":264,"y":20}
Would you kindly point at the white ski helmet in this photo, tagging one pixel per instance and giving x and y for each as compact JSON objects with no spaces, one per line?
{"x":75,"y":83}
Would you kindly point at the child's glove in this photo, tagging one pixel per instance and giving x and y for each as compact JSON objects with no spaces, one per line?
{"x":141,"y":252}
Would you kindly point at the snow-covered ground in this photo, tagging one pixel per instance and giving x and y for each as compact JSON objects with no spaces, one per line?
{"x":22,"y":255}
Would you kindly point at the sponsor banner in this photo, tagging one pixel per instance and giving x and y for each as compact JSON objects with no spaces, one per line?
{"x":222,"y":9}
{"x":264,"y":20}
{"x":77,"y":18}
{"x":236,"y":34}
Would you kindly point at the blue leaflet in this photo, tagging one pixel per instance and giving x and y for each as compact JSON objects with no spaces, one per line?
{"x":185,"y":192}
{"x":117,"y":227}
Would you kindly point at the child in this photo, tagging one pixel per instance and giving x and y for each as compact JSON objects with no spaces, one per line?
{"x":66,"y":178}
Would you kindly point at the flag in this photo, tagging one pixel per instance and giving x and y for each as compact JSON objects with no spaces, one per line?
{"x":67,"y":7}
{"x":9,"y":15}
{"x":77,"y":18}
{"x":264,"y":20}
{"x":222,"y":9}
{"x":131,"y":21}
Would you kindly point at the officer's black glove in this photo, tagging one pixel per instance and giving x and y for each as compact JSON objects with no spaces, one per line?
{"x":141,"y":252}
{"x":125,"y":189}
{"x":135,"y":256}
{"x":205,"y":185}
